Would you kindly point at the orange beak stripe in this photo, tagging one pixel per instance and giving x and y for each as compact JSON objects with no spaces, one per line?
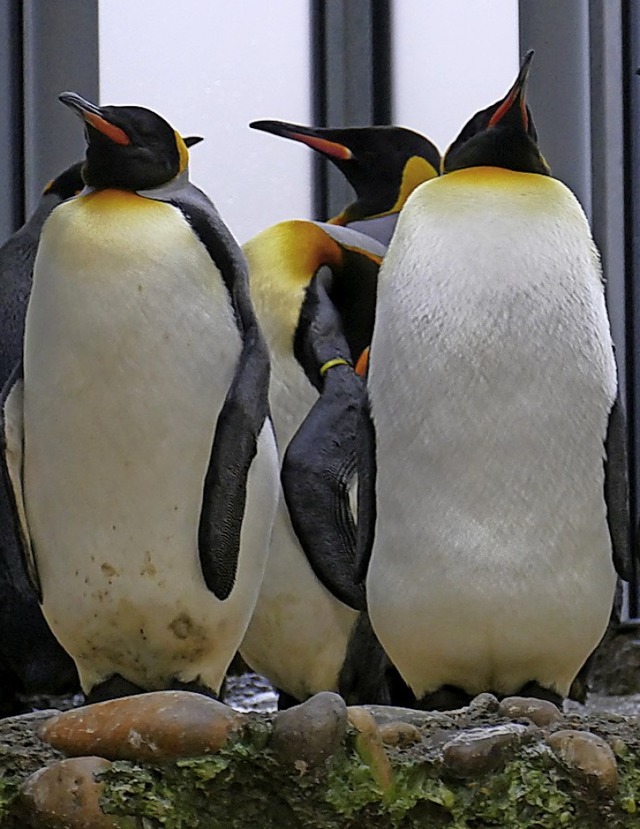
{"x":112,"y":132}
{"x":331,"y":148}
{"x":504,"y":107}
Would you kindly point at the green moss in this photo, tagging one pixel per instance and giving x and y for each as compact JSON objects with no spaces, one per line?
{"x":245,"y":786}
{"x":628,"y":794}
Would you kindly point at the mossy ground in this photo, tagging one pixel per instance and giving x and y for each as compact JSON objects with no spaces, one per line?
{"x":245,"y":785}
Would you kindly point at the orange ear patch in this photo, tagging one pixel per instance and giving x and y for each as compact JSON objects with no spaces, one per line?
{"x":112,"y":132}
{"x":362,"y":366}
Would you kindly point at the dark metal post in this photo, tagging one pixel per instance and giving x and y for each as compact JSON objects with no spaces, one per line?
{"x":60,"y":53}
{"x":351,"y":79}
{"x":11,"y":195}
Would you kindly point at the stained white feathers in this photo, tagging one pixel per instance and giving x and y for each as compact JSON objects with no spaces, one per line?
{"x":131,"y":346}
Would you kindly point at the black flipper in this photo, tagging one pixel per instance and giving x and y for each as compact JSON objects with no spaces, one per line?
{"x":322,"y":457}
{"x":616,"y":491}
{"x":245,"y":409}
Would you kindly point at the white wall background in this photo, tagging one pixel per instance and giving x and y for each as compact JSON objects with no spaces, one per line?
{"x":209,"y":67}
{"x":450,"y":59}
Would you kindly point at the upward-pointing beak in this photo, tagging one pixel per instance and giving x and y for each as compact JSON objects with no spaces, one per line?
{"x":515,"y":95}
{"x":94,"y":116}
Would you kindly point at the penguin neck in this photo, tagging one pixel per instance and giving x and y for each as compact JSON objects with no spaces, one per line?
{"x":376,"y":213}
{"x":167,"y":191}
{"x":504,"y":147}
{"x":164,"y":192}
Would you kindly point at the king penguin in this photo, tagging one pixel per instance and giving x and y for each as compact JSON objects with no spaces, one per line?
{"x":299,"y":632}
{"x":32,"y":661}
{"x":138,"y":442}
{"x":384,"y":164}
{"x":500,"y":484}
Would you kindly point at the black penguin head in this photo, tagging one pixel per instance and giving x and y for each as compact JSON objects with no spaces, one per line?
{"x":502,"y":135}
{"x":69,"y":183}
{"x":383,"y":164}
{"x":128,"y":147}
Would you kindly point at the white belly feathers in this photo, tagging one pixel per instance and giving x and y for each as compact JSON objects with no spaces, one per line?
{"x":492,"y":371}
{"x":130,"y":349}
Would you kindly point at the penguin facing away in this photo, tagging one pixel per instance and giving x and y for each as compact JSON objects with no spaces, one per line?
{"x":383,"y":164}
{"x":32,"y":659}
{"x":299,"y":632}
{"x":148,"y":482}
{"x":500,"y":482}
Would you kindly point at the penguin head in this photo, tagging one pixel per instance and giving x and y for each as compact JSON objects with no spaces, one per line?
{"x":383,"y":164}
{"x":502,"y":135}
{"x":128,"y":147}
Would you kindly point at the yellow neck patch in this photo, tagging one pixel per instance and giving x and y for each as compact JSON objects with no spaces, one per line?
{"x":183,"y":152}
{"x":416,"y":171}
{"x":282,"y":260}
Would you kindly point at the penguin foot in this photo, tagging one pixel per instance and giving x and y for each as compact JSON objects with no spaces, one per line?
{"x":532,"y":689}
{"x":112,"y":688}
{"x":195,"y":687}
{"x":286,"y":700}
{"x":445,"y":698}
{"x":10,"y":702}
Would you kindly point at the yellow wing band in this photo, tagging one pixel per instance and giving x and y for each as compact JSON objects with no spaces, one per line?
{"x":337,"y":361}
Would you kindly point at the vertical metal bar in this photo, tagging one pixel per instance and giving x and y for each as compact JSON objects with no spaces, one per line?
{"x":607,"y":161}
{"x":631,"y":168}
{"x":11,"y":126}
{"x":351,"y":79}
{"x":577,"y":96}
{"x":60,"y":52}
{"x":558,"y":89}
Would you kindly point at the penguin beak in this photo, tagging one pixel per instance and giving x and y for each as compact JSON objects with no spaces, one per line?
{"x":515,"y":95}
{"x":191,"y":140}
{"x":94,"y":116}
{"x":306,"y":135}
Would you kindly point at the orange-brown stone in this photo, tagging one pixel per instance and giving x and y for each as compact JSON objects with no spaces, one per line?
{"x":160,"y":725}
{"x":370,"y":747}
{"x":541,"y":712}
{"x":400,"y":734}
{"x":588,"y":754}
{"x":66,"y":795}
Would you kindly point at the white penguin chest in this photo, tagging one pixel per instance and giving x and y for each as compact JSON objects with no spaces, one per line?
{"x":130,"y":350}
{"x":492,"y":370}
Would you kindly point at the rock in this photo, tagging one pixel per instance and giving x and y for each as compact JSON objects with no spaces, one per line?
{"x":588,"y":754}
{"x":483,"y":705}
{"x":384,"y":714}
{"x":400,"y":734}
{"x":308,"y":734}
{"x":66,"y":796}
{"x":161,"y":725}
{"x":615,"y":666}
{"x":370,"y":747}
{"x":481,"y":750}
{"x":541,"y":712}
